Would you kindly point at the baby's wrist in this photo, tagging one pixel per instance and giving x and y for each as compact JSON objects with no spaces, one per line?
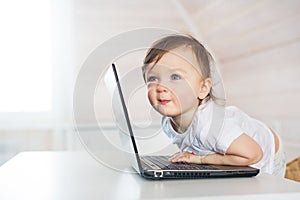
{"x":200,"y":159}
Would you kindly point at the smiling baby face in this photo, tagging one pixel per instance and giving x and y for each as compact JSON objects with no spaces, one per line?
{"x":175,"y":84}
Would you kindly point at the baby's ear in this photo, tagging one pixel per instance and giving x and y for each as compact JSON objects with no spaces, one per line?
{"x":205,"y":88}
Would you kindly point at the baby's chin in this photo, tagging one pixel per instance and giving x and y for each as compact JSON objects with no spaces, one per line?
{"x":165,"y":111}
{"x":167,"y":114}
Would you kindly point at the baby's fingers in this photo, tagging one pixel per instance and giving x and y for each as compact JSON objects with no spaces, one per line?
{"x":180,"y":157}
{"x":174,"y":156}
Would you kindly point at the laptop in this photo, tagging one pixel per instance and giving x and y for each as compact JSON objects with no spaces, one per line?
{"x":159,"y":167}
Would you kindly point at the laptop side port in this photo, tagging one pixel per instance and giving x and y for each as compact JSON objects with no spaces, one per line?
{"x":158,"y":174}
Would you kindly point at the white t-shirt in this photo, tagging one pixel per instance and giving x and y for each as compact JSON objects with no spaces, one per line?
{"x":215,"y":127}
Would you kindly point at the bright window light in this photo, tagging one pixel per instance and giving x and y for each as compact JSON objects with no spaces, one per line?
{"x":25,"y":49}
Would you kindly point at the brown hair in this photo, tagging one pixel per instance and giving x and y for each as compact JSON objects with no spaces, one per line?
{"x":168,"y":43}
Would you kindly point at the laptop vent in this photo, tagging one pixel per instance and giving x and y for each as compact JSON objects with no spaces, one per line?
{"x":192,"y":174}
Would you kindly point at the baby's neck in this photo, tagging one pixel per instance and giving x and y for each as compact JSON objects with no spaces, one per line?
{"x":182,"y":122}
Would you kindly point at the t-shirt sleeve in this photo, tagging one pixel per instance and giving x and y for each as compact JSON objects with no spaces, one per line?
{"x":231,"y":130}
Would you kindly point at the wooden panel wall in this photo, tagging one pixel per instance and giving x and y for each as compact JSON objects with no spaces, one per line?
{"x":257,"y":45}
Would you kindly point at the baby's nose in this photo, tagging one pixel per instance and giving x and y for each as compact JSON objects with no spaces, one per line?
{"x":161,"y":88}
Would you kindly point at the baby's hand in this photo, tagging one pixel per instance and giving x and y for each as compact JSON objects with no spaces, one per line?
{"x":185,"y":157}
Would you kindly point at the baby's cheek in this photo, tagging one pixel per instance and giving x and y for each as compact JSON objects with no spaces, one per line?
{"x":186,"y":96}
{"x":151,"y":96}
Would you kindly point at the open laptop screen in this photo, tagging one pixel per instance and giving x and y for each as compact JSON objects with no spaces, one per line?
{"x":111,"y":80}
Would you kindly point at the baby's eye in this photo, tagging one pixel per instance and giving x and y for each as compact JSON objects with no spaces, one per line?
{"x":175,"y":77}
{"x":152,"y":79}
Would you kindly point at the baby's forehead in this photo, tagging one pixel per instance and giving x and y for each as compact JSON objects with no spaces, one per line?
{"x":181,"y":54}
{"x":182,"y":57}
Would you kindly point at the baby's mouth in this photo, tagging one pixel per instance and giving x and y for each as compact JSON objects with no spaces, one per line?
{"x":163,"y":101}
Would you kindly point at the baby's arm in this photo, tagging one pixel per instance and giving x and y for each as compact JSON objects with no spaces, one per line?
{"x":243,"y":151}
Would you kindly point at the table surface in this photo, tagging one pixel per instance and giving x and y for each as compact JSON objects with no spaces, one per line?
{"x":77,"y":175}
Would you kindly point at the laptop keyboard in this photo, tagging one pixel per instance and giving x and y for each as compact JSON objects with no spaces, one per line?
{"x":163,"y":163}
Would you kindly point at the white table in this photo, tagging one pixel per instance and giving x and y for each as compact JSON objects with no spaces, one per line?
{"x":76,"y":175}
